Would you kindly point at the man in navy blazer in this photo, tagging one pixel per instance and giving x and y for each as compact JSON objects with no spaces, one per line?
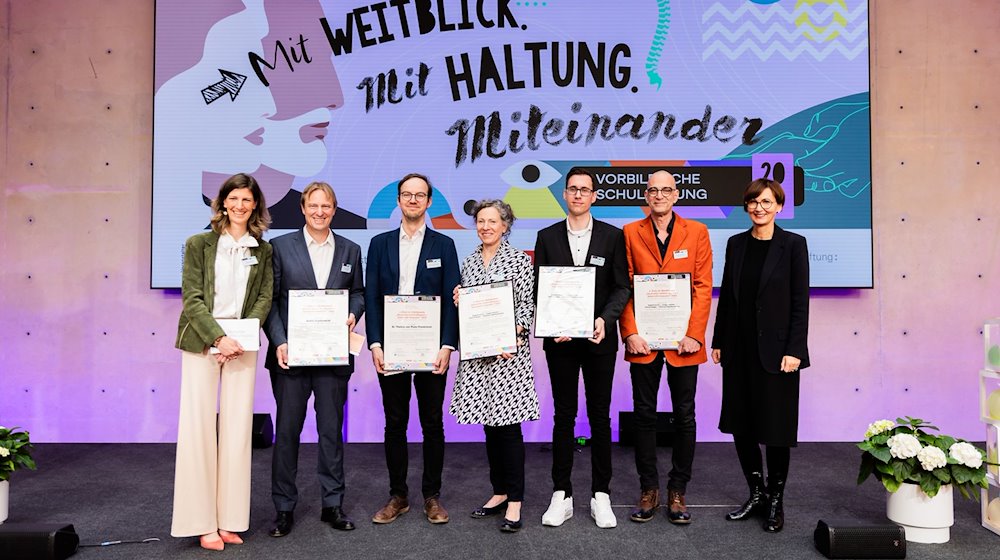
{"x":580,"y":240}
{"x":310,"y":259}
{"x":412,"y":260}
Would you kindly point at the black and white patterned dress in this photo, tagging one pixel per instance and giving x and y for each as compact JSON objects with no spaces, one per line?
{"x":494,"y":391}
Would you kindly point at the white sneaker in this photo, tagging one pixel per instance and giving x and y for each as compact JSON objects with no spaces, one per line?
{"x":560,"y":509}
{"x":600,"y":510}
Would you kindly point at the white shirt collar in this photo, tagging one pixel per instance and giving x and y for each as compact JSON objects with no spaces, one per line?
{"x":311,"y":241}
{"x":582,"y":232}
{"x":416,"y":235}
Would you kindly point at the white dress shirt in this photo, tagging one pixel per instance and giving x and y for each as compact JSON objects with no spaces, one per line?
{"x":321,"y":255}
{"x":231,"y":275}
{"x":579,"y":242}
{"x":409,"y":255}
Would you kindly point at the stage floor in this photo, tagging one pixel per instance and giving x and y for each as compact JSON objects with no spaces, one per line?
{"x":124,"y":491}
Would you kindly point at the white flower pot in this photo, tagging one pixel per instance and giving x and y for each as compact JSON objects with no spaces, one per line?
{"x":4,"y":500}
{"x":925,"y":519}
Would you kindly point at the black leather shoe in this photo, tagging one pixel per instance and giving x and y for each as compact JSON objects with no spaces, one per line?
{"x":776,"y":509}
{"x":480,"y":513}
{"x":755,"y":504}
{"x":509,"y":526}
{"x":283,"y":525}
{"x":337,"y":519}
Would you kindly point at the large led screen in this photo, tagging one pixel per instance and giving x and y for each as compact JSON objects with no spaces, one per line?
{"x":498,"y":99}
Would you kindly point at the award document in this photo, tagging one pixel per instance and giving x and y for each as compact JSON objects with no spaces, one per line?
{"x":662,"y":308}
{"x":412,"y":332}
{"x":317,"y":328}
{"x":244,"y":331}
{"x":565,"y":302}
{"x":486,"y":324}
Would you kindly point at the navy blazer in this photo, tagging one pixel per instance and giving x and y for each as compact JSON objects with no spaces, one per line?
{"x":293,"y":271}
{"x":782,"y":301}
{"x":382,"y":273}
{"x":612,"y":284}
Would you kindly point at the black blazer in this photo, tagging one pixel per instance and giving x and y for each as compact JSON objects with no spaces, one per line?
{"x":782,"y":301}
{"x":293,"y":271}
{"x":612,"y":284}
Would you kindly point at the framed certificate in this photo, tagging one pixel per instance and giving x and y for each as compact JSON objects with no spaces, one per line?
{"x":244,"y":331}
{"x":412,"y":336}
{"x":486,"y":324}
{"x":565,"y":305}
{"x":662,"y":305}
{"x":317,"y":328}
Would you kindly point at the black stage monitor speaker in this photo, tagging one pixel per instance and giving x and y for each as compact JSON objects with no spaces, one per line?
{"x":37,"y":541}
{"x":853,"y":539}
{"x":263,"y":431}
{"x":664,"y":428}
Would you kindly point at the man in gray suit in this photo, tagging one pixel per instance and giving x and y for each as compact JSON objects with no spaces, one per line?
{"x":310,"y":259}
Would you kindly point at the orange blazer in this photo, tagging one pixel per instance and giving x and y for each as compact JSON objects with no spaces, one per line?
{"x":643,"y":256}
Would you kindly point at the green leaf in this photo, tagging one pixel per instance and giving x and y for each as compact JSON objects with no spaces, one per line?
{"x":962,"y":473}
{"x":901,"y":470}
{"x":867,"y":466}
{"x":943,"y":475}
{"x":882,"y":454}
{"x":891,"y":484}
{"x":930,"y":485}
{"x":885,"y":468}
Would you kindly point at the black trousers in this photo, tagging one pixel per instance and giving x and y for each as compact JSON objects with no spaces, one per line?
{"x":645,"y":384}
{"x":505,"y":451}
{"x":565,"y":366}
{"x":291,"y":393}
{"x":396,"y":403}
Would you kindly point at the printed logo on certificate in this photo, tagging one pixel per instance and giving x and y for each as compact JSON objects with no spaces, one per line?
{"x":317,"y":328}
{"x":486,"y":325}
{"x":662,"y":305}
{"x":412,"y":335}
{"x":565,"y":305}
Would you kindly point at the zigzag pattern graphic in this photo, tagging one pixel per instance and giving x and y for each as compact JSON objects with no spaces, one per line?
{"x":778,"y":11}
{"x":776,"y":30}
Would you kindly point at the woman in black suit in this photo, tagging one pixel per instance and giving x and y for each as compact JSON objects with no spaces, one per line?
{"x":761,"y":327}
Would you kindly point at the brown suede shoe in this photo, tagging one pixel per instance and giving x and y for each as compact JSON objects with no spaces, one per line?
{"x":435,"y":511}
{"x":648,"y":502}
{"x":677,"y":511}
{"x":392,"y":509}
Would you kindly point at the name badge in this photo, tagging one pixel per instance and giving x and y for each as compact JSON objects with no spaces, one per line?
{"x":682,"y":254}
{"x":346,"y":268}
{"x":249,"y":261}
{"x":433,"y":263}
{"x":596,"y":261}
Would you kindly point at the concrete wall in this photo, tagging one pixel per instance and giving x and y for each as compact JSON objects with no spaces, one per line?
{"x":86,"y":348}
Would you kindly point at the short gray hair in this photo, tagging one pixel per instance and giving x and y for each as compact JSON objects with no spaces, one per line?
{"x":506,"y":213}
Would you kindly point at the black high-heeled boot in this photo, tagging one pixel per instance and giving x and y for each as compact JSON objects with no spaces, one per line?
{"x":775,"y":511}
{"x":757,"y":501}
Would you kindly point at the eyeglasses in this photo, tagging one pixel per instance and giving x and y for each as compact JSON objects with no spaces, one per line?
{"x":765,"y":204}
{"x":665,"y":191}
{"x":419,"y":196}
{"x":573,"y":191}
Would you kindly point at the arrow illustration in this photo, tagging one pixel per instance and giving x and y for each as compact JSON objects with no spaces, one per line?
{"x":231,"y":82}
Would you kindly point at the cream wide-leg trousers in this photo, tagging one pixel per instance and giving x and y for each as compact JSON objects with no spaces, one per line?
{"x":212,"y":477}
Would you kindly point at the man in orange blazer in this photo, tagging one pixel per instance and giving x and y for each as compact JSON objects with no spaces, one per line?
{"x":663,"y":243}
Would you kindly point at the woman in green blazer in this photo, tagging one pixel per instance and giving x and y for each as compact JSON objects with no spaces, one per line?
{"x":227,"y":275}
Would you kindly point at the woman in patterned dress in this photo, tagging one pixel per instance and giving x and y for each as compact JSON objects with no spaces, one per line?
{"x":499,"y":391}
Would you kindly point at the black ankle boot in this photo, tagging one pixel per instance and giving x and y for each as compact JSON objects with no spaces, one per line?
{"x":775,"y":511}
{"x":757,"y":501}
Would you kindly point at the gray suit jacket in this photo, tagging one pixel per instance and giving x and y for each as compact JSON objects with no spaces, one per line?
{"x":293,"y":271}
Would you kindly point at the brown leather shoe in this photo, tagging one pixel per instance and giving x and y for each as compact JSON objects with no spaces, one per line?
{"x":677,"y":511}
{"x":648,"y":502}
{"x":435,"y":511}
{"x":392,"y":509}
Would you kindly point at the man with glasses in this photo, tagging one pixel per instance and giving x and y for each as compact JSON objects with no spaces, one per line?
{"x":666,"y":243}
{"x":412,"y":260}
{"x":312,"y":258}
{"x":583,"y":241}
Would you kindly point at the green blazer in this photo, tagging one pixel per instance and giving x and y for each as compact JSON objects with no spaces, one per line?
{"x":197,"y":329}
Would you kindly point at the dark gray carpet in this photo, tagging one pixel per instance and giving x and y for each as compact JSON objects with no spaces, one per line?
{"x":124,"y":492}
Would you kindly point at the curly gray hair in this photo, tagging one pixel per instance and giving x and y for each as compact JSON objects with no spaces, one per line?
{"x":506,"y":212}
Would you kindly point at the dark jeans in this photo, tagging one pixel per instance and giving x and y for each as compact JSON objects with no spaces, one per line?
{"x":291,"y":393}
{"x":505,"y":451}
{"x":645,"y":384}
{"x":598,"y":374}
{"x":430,"y":402}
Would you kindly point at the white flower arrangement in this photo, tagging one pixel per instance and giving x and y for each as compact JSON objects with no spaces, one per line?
{"x":15,"y":451}
{"x":902,"y":452}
